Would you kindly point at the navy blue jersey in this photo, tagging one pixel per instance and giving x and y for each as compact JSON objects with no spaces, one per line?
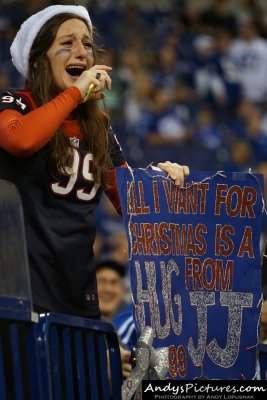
{"x":59,"y":222}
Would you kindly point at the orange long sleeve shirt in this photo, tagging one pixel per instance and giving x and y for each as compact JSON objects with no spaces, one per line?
{"x":18,"y":131}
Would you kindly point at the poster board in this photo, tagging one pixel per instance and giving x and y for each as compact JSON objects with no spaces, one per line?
{"x":195,"y":267}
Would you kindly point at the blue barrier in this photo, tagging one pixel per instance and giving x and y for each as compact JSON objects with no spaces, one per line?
{"x":51,"y":356}
{"x":58,"y":357}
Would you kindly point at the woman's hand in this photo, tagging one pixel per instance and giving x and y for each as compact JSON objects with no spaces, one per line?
{"x":98,"y":76}
{"x":175,"y":171}
{"x":125,"y":362}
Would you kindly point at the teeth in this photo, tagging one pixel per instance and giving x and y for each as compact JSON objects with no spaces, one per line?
{"x":75,"y":70}
{"x":76,"y":66}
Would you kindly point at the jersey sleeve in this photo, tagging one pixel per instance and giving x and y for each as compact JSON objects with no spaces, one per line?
{"x":14,"y":101}
{"x":113,"y":192}
{"x":24,"y":131}
{"x":118,"y":160}
{"x":115,"y":150}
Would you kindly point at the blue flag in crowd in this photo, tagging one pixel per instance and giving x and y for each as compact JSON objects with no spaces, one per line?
{"x":195,"y":267}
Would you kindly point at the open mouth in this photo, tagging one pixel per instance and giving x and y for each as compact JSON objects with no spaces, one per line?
{"x":75,"y":70}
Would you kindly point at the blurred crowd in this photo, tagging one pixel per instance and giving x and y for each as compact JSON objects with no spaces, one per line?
{"x":189,"y":84}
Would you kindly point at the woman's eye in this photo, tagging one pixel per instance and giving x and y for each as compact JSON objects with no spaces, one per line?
{"x":88,"y":45}
{"x":67,"y":43}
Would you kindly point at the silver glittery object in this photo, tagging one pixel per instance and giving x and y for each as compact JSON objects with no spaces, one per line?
{"x":149,"y":296}
{"x":142,"y":297}
{"x":176,"y":326}
{"x":235,"y":301}
{"x":150,"y":364}
{"x":201,"y":300}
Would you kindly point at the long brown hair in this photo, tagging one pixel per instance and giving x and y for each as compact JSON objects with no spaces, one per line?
{"x":94,"y":124}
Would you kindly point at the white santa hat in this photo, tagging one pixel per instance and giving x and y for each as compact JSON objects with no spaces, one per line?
{"x":21,"y":46}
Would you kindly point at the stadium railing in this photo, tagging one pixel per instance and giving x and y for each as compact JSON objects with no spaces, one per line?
{"x":59,"y":357}
{"x":49,"y":356}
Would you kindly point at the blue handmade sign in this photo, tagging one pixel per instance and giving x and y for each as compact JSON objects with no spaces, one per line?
{"x":195,"y":267}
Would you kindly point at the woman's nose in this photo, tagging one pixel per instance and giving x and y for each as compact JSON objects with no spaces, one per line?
{"x":80,"y":50}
